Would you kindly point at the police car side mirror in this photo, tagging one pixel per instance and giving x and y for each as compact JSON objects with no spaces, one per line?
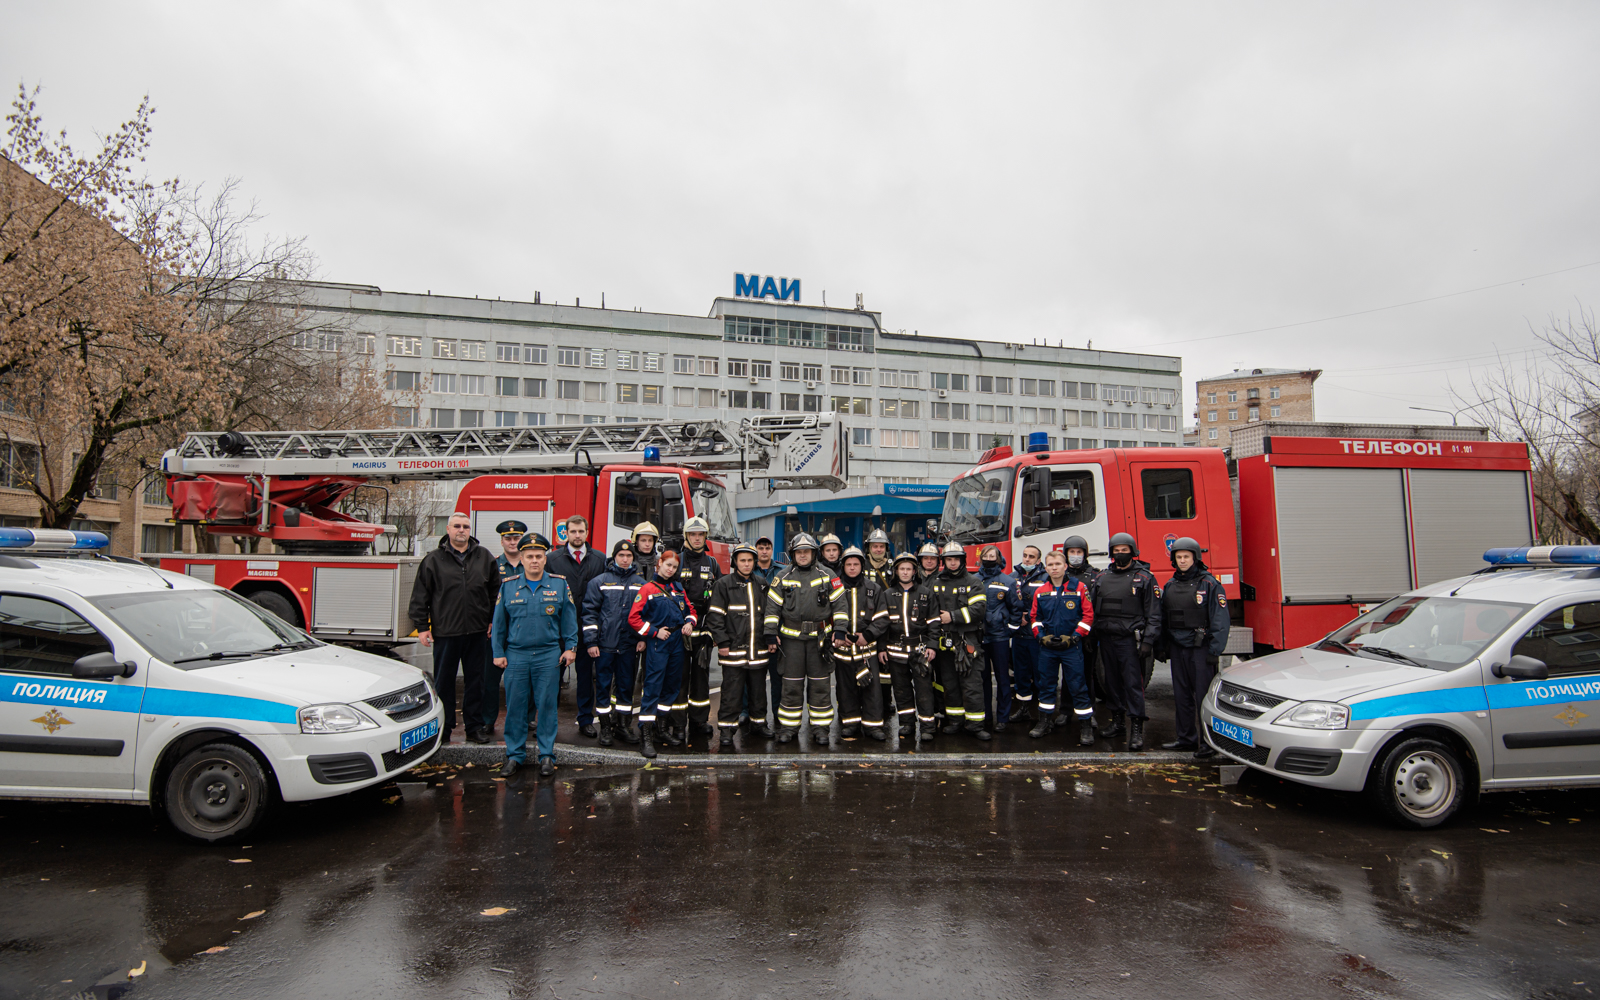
{"x":1523,"y":668}
{"x":98,"y":666}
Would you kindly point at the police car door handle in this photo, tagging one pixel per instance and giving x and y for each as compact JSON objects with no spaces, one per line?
{"x":100,"y":666}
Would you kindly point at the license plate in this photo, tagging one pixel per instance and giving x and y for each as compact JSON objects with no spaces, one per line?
{"x":1232,"y":732}
{"x":421,"y":734}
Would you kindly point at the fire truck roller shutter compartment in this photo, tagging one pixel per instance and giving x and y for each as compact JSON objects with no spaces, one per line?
{"x":1342,"y":534}
{"x":354,"y":601}
{"x":1458,"y":513}
{"x":484,"y":521}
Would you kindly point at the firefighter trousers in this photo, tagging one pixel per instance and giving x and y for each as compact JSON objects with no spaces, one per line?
{"x":913,"y":689}
{"x":860,"y":699}
{"x":963,"y":692}
{"x":693,"y":701}
{"x":744,"y":689}
{"x":1124,"y":672}
{"x":806,"y":683}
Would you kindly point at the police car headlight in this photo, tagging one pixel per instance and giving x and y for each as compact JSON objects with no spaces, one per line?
{"x":1316,"y":715}
{"x":333,"y":719}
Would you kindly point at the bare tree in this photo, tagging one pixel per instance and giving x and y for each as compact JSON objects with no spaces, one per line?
{"x":1552,"y":403}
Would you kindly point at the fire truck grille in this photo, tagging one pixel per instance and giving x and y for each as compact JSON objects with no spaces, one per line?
{"x":403,"y":705}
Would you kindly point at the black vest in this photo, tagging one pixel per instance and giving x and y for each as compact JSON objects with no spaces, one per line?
{"x":1182,"y":603}
{"x":1114,"y":597}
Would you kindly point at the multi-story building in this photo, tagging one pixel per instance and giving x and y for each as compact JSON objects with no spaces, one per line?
{"x":920,"y":409}
{"x":1247,"y":395}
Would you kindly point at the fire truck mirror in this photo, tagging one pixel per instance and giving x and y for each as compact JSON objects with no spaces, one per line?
{"x":672,"y":492}
{"x":672,"y":516}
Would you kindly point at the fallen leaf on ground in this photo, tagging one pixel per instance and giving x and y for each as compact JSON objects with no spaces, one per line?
{"x":495,"y":911}
{"x":240,"y":861}
{"x":214,"y":949}
{"x":252,"y":915}
{"x":1442,"y":854}
{"x":132,"y":973}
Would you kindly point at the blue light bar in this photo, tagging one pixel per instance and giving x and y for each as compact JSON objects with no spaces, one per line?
{"x":51,"y":538}
{"x":652,"y":455}
{"x":1545,"y":555}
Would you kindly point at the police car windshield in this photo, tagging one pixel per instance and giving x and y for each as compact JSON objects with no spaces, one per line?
{"x":975,"y":508}
{"x":1440,"y":633}
{"x":199,"y":628}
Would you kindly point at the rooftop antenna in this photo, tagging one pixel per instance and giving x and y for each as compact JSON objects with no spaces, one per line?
{"x":602,"y":300}
{"x":535,"y":298}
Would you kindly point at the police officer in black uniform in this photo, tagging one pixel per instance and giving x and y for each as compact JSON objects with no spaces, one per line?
{"x":1125,"y":616}
{"x":1194,"y":632}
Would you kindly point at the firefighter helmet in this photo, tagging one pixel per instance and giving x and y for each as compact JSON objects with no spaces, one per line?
{"x":1076,"y":542}
{"x":1123,"y":538}
{"x":745,"y":547}
{"x":697,"y":523}
{"x":878,"y":535}
{"x":907,"y":556}
{"x":802,"y":541}
{"x":928,"y":549}
{"x":953,"y":548}
{"x":853,"y":553}
{"x":645,"y":528}
{"x":831,"y":539}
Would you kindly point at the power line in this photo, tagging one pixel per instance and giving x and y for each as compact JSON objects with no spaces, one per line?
{"x":1376,"y":309}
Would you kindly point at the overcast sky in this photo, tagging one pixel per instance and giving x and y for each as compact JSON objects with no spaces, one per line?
{"x":1148,"y":177}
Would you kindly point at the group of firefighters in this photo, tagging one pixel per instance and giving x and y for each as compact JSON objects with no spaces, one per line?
{"x":916,"y":640}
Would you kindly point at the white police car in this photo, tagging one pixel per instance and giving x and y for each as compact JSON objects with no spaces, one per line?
{"x":1484,"y":683}
{"x":122,"y":683}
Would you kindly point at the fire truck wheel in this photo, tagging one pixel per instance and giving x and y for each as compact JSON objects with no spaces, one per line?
{"x":278,"y":605}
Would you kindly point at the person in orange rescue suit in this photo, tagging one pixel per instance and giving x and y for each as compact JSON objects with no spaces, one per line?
{"x":735,"y":620}
{"x":855,"y":660}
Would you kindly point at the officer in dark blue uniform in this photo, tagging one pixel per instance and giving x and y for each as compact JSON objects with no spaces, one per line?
{"x":535,"y":633}
{"x":1194,"y":632}
{"x":510,"y":561}
{"x":1125,"y":617}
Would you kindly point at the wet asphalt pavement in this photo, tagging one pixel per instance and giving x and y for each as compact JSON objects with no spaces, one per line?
{"x":868,"y":880}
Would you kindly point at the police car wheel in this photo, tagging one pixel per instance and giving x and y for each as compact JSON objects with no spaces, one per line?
{"x":277,"y":604}
{"x":1419,"y":784}
{"x":216,"y":793}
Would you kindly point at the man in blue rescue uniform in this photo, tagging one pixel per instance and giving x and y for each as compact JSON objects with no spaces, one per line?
{"x":535,"y":633}
{"x":1194,"y":632}
{"x":509,"y":562}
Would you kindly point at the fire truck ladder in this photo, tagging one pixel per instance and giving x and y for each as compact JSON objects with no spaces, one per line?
{"x":802,"y":451}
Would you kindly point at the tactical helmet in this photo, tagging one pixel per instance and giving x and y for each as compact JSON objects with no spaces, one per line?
{"x":928,"y":549}
{"x":953,"y":548}
{"x":878,"y":535}
{"x":802,"y":541}
{"x":1076,"y":542}
{"x":853,"y":552}
{"x":645,"y":528}
{"x":697,"y":523}
{"x":1123,"y":538}
{"x":1185,"y":544}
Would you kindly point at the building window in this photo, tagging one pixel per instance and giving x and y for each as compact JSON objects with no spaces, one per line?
{"x":627,"y":392}
{"x":595,"y":357}
{"x":889,"y":377}
{"x":444,"y":382}
{"x":403,"y":416}
{"x":568,"y":418}
{"x":507,"y":386}
{"x":405,"y":347}
{"x":941,"y":440}
{"x":960,"y":441}
{"x":950,"y":380}
{"x":1255,"y":413}
{"x":1003,"y":414}
{"x":861,"y":435}
{"x":761,"y":400}
{"x":1275,"y":392}
{"x":853,"y":404}
{"x":788,"y":372}
{"x":474,"y":385}
{"x":1211,"y":434}
{"x":441,"y":419}
{"x":569,"y":357}
{"x":789,"y":402}
{"x":316,"y":341}
{"x":738,"y":368}
{"x":682,"y":364}
{"x":1152,"y":396}
{"x":1211,"y":416}
{"x":910,"y":439}
{"x":1233,"y":414}
{"x":471,"y":418}
{"x":888,"y":439}
{"x":653,"y":394}
{"x":1233,"y":395}
{"x":1047,"y":415}
{"x":444,"y":349}
{"x":594,"y":392}
{"x":707,"y":366}
{"x":739,"y":399}
{"x":941,"y":411}
{"x":760,"y":369}
{"x":505,"y":418}
{"x":810,"y":403}
{"x":535,"y":354}
{"x":839,"y":375}
{"x":682,"y":395}
{"x":534,"y":388}
{"x":628,"y":361}
{"x":364,"y":343}
{"x":508,"y":353}
{"x":811,"y":373}
{"x":992,"y":383}
{"x":1277,"y":411}
{"x":403,"y":381}
{"x":473,"y":350}
{"x":905,"y":409}
{"x":654,"y":361}
{"x":1252,"y":393}
{"x":985,"y":412}
{"x":706,"y":399}
{"x":567,"y":389}
{"x":1030,"y":415}
{"x":861,"y":376}
{"x":535,"y":419}
{"x":593,"y":418}
{"x":1211,"y":398}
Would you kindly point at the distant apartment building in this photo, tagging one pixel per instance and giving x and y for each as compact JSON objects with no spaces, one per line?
{"x":1249,"y":395}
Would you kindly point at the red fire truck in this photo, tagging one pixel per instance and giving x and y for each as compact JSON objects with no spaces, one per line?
{"x":1305,"y":525}
{"x":284,"y":488}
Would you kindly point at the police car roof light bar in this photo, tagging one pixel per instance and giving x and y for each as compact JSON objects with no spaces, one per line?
{"x":1545,"y":555}
{"x":38,"y":539}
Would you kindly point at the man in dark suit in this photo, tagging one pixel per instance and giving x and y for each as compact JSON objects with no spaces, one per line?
{"x":578,"y":563}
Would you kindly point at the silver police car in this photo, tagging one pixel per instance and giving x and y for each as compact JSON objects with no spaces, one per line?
{"x":1489,"y":682}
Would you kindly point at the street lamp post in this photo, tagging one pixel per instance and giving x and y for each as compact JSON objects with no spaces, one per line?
{"x":1452,"y":414}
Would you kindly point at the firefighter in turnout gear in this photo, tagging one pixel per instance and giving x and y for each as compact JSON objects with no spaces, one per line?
{"x":1061,"y":617}
{"x":1125,"y":617}
{"x":1030,"y":575}
{"x":691,"y":710}
{"x":612,"y":644}
{"x":663,"y":615}
{"x":1076,"y":549}
{"x":1194,"y":632}
{"x":855,"y":659}
{"x":831,"y":552}
{"x":800,"y":611}
{"x":646,"y":540}
{"x":928,"y":562}
{"x":902,"y":624}
{"x":879,"y":566}
{"x":958,"y":597}
{"x":734,"y":619}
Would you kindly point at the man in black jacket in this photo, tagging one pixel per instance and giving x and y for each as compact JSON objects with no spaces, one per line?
{"x":692,"y":708}
{"x":452,"y":603}
{"x":578,"y":563}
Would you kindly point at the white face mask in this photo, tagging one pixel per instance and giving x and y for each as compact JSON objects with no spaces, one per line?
{"x":1074,"y":560}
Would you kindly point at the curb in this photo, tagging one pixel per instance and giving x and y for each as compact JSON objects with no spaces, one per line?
{"x":493,"y":753}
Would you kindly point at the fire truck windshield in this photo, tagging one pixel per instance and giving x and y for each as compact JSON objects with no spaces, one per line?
{"x":711,"y":502}
{"x":975,"y":509}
